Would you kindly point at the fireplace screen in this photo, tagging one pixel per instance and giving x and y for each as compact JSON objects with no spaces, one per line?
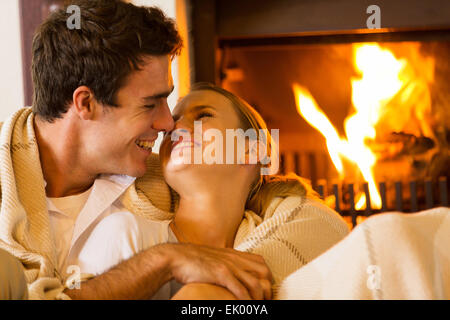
{"x":367,"y":122}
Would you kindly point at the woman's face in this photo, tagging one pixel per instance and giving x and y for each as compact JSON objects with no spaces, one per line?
{"x":214,"y":111}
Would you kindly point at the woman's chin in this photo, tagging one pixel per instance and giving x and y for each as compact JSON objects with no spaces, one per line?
{"x":186,"y":172}
{"x":175,"y":167}
{"x":175,"y":164}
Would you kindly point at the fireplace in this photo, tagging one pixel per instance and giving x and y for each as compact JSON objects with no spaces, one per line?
{"x":364,"y":114}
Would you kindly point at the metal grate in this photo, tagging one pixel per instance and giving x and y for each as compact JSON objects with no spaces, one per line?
{"x":432,"y":194}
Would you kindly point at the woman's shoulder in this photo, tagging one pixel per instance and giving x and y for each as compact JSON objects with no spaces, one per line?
{"x":298,"y":215}
{"x":293,"y":231}
{"x":304,"y":207}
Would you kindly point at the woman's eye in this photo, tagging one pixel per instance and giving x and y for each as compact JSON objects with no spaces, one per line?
{"x":204,"y":115}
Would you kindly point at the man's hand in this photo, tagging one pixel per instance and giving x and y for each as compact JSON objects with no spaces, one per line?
{"x":203,"y":291}
{"x":245,"y":275}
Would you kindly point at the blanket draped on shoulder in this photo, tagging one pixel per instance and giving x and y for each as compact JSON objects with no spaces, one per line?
{"x":294,"y":231}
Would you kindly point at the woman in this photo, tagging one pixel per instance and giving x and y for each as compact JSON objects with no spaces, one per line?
{"x":219,"y":202}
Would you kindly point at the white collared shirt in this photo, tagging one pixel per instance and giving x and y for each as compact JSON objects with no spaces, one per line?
{"x":73,"y":218}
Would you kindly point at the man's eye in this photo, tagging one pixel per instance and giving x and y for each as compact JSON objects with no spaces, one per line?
{"x":149,"y":106}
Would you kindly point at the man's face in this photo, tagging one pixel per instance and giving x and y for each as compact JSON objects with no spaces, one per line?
{"x":121,"y":138}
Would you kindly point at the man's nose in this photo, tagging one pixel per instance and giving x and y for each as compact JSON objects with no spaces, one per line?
{"x":164,"y":120}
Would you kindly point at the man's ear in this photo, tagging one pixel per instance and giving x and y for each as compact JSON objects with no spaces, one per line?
{"x":84,"y":102}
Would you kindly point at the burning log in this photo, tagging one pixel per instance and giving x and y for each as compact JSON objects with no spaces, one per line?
{"x":398,"y":144}
{"x":411,"y":144}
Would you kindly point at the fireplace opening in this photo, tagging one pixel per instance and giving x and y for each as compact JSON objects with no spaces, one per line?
{"x":368,"y":123}
{"x":364,"y":114}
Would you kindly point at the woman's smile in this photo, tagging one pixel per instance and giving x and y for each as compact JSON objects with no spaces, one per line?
{"x":183,"y":143}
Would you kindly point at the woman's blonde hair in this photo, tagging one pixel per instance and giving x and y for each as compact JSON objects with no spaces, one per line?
{"x":266,"y":187}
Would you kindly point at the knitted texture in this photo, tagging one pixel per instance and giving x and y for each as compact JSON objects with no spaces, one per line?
{"x":294,"y":231}
{"x":26,"y":236}
{"x":388,"y":256}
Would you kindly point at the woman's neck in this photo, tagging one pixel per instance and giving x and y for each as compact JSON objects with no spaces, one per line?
{"x":211,"y":217}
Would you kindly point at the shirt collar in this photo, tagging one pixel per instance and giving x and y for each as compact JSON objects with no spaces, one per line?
{"x":118,"y":178}
{"x":52,"y":208}
{"x":106,"y":190}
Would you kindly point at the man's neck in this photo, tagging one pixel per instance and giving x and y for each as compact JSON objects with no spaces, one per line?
{"x":58,"y":145}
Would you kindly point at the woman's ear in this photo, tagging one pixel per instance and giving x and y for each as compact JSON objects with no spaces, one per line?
{"x":251,"y":153}
{"x":84,"y":102}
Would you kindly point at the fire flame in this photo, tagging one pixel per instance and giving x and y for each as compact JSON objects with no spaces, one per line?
{"x":382,"y":77}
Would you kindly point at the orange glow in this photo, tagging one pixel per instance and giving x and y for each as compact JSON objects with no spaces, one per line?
{"x":385,"y":86}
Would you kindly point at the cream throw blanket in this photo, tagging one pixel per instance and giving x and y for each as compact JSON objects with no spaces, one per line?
{"x":388,"y":256}
{"x":294,"y":231}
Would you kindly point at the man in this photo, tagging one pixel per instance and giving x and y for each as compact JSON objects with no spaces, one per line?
{"x":100,"y":100}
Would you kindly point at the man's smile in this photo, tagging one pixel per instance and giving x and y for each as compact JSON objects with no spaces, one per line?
{"x":145,"y":144}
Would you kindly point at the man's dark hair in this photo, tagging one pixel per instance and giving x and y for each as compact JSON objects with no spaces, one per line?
{"x":113,"y":39}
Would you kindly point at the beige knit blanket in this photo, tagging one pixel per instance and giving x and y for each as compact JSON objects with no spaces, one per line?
{"x":388,"y":256}
{"x":294,"y":231}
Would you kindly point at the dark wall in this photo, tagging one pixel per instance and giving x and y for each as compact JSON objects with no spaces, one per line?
{"x":32,"y":13}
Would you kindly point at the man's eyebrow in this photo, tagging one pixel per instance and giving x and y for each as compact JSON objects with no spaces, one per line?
{"x":159,"y":95}
{"x":193,"y":110}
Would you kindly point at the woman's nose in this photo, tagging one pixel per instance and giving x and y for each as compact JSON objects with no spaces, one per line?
{"x":182,"y":129}
{"x":180,"y":134}
{"x":183,"y":123}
